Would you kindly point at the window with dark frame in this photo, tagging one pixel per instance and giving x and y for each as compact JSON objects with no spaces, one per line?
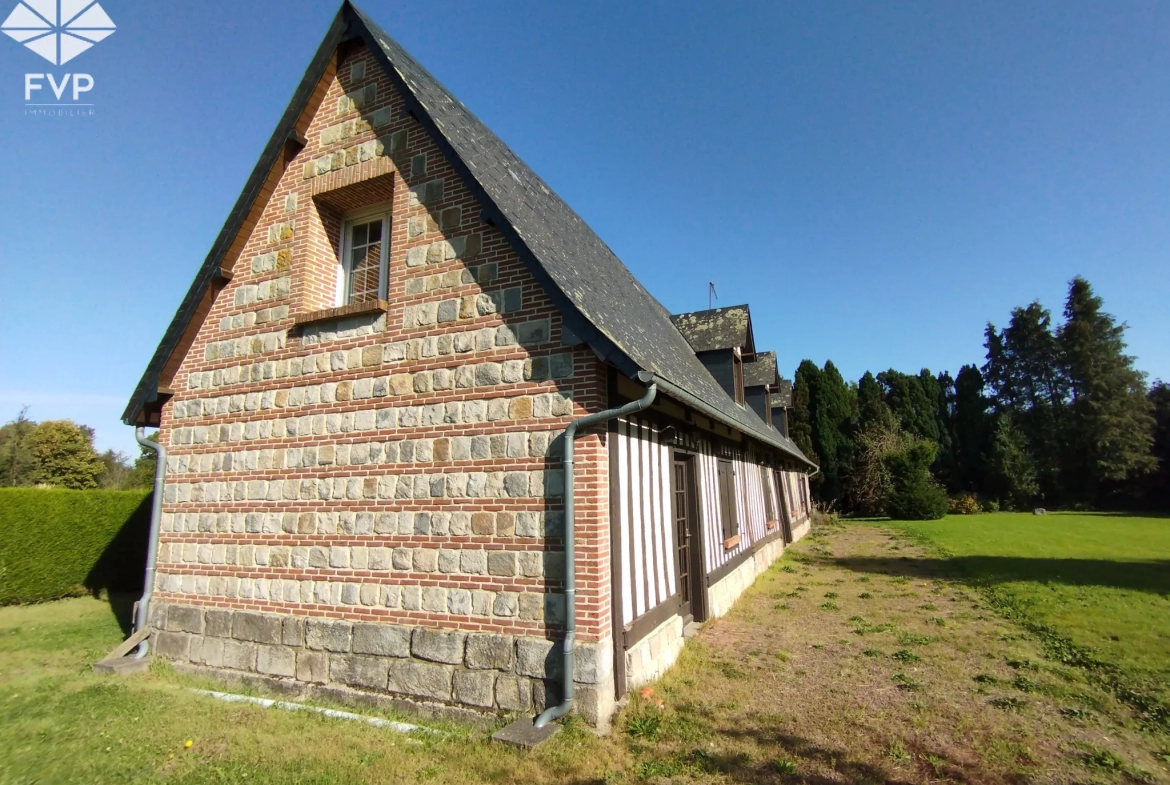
{"x":769,"y":493}
{"x":727,"y":506}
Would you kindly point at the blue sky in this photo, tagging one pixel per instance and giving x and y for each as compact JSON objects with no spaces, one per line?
{"x":876,"y":180}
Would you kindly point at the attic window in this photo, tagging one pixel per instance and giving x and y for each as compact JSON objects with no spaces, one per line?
{"x":362,"y":275}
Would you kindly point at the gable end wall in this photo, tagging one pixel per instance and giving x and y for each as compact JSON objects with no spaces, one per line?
{"x":375,"y":502}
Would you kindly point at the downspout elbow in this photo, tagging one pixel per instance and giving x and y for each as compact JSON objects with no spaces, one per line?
{"x":160,"y":471}
{"x":567,"y":690}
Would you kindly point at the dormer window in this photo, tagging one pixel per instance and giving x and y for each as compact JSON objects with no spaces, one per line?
{"x":737,"y":362}
{"x":363,"y":272}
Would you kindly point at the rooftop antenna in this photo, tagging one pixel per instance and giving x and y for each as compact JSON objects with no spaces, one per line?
{"x":711,"y":294}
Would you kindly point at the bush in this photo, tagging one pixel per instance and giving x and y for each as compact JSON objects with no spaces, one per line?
{"x":990,"y":505}
{"x":58,"y":543}
{"x":914,"y":496}
{"x":966,"y":504}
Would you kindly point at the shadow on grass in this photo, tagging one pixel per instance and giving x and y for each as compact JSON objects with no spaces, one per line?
{"x":1146,"y":576}
{"x":844,"y":767}
{"x":119,"y":570}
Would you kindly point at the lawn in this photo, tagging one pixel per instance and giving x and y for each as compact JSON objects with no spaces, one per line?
{"x":1101,"y":580}
{"x":854,"y":659}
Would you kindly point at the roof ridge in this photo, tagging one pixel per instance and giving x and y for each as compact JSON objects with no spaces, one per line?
{"x":600,"y":299}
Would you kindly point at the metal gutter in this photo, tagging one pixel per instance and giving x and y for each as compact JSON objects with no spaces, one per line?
{"x":673,"y":390}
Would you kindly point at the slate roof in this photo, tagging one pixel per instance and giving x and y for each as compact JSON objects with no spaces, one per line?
{"x":718,"y":328}
{"x":600,"y":299}
{"x":760,"y":371}
{"x":783,"y":397}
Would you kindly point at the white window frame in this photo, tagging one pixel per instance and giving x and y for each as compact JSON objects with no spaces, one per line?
{"x":343,"y":264}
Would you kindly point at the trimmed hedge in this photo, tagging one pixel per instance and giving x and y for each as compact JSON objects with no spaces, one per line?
{"x":57,"y":543}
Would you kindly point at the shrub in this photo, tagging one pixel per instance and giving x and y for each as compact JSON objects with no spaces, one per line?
{"x":58,"y":543}
{"x":914,"y":496}
{"x":990,"y":505}
{"x":966,"y":504}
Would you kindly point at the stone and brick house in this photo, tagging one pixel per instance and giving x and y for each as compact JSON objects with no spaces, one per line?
{"x":364,"y":396}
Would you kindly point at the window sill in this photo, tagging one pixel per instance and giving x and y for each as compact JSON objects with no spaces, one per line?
{"x":341,"y":312}
{"x":730,"y":543}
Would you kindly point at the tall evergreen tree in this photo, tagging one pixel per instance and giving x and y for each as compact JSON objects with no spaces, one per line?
{"x":944,"y":461}
{"x":800,"y":417}
{"x":871,"y":404}
{"x":1011,"y":470}
{"x":1112,"y":424}
{"x":969,"y":429}
{"x":1157,"y":484}
{"x":1023,"y":370}
{"x":995,"y":370}
{"x":832,"y":428}
{"x":914,"y":402}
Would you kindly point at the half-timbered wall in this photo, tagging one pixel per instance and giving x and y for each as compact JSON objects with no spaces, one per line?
{"x":796,"y":495}
{"x":749,"y":503}
{"x":648,"y":570}
{"x":644,"y":517}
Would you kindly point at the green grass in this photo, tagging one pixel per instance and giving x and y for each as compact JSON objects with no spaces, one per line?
{"x":1100,"y":580}
{"x":59,"y":722}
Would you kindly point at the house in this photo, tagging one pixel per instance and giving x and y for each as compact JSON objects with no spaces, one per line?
{"x":781,"y":402}
{"x":393,"y":462}
{"x":760,"y":381}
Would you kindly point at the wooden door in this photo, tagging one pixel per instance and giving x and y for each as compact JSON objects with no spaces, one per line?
{"x":683,"y":535}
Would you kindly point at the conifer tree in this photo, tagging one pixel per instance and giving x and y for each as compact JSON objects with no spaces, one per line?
{"x":804,"y":385}
{"x":1011,"y":470}
{"x":1111,"y":421}
{"x":832,"y":428}
{"x":969,"y":429}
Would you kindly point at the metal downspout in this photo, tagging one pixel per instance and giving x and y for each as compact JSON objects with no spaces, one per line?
{"x":160,"y":471}
{"x":566,"y":704}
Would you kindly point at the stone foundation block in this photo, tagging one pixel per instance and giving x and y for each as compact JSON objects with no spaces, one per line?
{"x":513,"y":693}
{"x":158,"y":615}
{"x":256,"y":627}
{"x":207,"y":651}
{"x":172,"y":645}
{"x":409,"y":677}
{"x":328,"y":635}
{"x":239,"y":655}
{"x":217,"y":624}
{"x":293,"y":631}
{"x":474,"y":688}
{"x":490,"y":652}
{"x":183,"y":618}
{"x":359,"y":671}
{"x":312,"y":666}
{"x":538,"y":658}
{"x":385,"y":640}
{"x":276,"y":661}
{"x":438,"y":646}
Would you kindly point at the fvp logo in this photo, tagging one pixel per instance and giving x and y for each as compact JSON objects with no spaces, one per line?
{"x":58,"y":30}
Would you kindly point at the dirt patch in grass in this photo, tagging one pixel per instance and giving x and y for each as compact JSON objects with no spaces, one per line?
{"x":882,"y":677}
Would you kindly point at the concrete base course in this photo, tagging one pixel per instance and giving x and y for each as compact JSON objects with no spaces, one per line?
{"x":482,"y":673}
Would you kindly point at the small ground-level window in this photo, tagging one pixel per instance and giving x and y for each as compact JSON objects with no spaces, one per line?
{"x":365,"y":253}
